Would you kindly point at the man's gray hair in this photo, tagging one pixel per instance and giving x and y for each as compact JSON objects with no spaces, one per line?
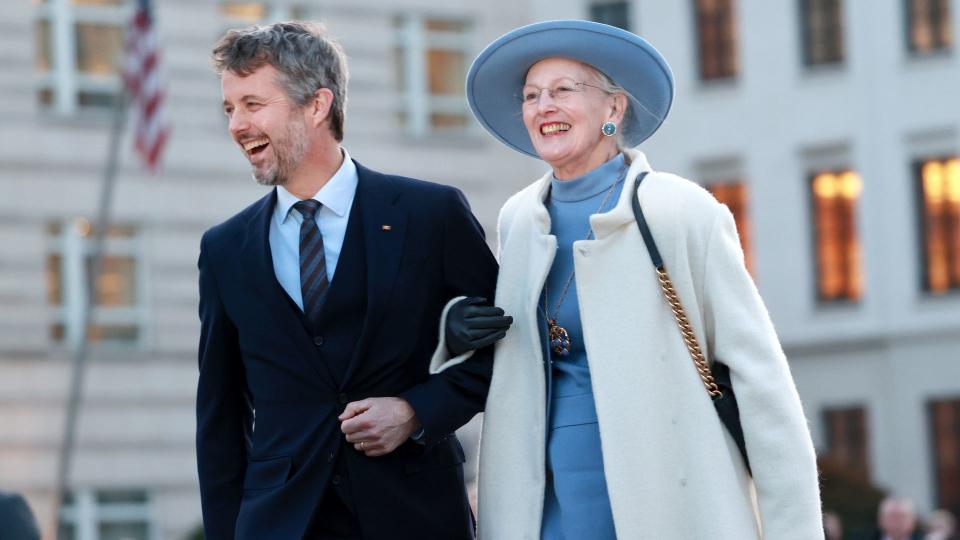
{"x":306,"y":58}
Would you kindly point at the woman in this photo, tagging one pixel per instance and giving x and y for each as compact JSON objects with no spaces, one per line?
{"x":597,"y":425}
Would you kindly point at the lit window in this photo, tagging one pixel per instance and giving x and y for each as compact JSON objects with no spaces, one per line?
{"x":846,"y":434}
{"x":928,"y":26}
{"x":945,"y":428}
{"x":734,"y":195}
{"x":717,"y":39}
{"x":432,"y":59}
{"x":77,"y":52}
{"x":251,"y":12}
{"x":112,"y":514}
{"x":612,"y":12}
{"x":939,"y":184}
{"x":822,"y":31}
{"x":835,"y":196}
{"x":246,"y":13}
{"x":118,"y":313}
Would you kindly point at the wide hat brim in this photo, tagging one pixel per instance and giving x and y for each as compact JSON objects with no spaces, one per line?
{"x":497,"y":76}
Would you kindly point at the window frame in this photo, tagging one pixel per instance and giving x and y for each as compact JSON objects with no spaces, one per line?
{"x":845,"y":414}
{"x":596,"y":6}
{"x":939,"y":47}
{"x":64,"y":80}
{"x":842,"y":299}
{"x":922,"y":219}
{"x":87,"y":514}
{"x":73,"y":249}
{"x":837,"y":32}
{"x":729,"y":70}
{"x":932,"y":427}
{"x":412,"y":43}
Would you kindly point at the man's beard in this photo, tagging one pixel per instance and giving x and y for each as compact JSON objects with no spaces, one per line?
{"x":288,"y":152}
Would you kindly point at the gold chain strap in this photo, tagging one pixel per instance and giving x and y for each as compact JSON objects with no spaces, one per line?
{"x":703,"y":368}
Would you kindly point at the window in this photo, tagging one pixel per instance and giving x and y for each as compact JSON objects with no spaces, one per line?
{"x":106,"y":515}
{"x":822,"y":31}
{"x":432,"y":58}
{"x":835,"y":196}
{"x":734,"y":195}
{"x":119,"y":312}
{"x":846,"y":433}
{"x":614,"y":13}
{"x":945,"y":430}
{"x":938,"y":182}
{"x":717,"y":39}
{"x":77,"y":52}
{"x":928,"y":26}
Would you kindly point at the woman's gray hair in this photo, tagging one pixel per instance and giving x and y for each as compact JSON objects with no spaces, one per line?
{"x":306,"y":58}
{"x":609,"y":86}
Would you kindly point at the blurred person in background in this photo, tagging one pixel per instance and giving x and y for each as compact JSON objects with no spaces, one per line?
{"x":941,"y":525}
{"x":832,"y":526}
{"x":16,"y":519}
{"x":597,"y":425}
{"x":317,"y":416}
{"x":896,"y":519}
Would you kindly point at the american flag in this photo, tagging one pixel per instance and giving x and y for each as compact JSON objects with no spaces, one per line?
{"x":145,"y":90}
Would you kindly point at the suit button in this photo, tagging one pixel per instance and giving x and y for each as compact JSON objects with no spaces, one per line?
{"x":318,"y":341}
{"x":330,"y":458}
{"x":335,"y":480}
{"x":343,"y":399}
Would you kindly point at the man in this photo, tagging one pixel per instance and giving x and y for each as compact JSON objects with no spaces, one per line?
{"x":320,"y":306}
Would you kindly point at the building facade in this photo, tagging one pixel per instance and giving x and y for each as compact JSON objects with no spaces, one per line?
{"x":828,"y":126}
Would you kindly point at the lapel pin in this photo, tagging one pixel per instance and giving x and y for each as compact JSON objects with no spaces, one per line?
{"x":386,"y":228}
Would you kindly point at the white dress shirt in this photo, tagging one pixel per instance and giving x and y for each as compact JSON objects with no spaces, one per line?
{"x":336,"y":196}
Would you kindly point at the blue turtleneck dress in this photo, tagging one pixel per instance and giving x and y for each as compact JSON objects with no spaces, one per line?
{"x":576,"y":502}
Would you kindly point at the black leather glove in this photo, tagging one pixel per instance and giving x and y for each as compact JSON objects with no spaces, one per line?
{"x":472,"y":325}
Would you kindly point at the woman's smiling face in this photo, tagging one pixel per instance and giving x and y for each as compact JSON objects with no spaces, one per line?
{"x":564,"y":106}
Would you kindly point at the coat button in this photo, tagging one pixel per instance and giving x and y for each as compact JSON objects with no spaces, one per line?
{"x":335,"y":480}
{"x":318,"y":341}
{"x":343,"y":399}
{"x":330,"y":458}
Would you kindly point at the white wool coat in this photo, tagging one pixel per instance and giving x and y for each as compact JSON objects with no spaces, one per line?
{"x":672,"y":470}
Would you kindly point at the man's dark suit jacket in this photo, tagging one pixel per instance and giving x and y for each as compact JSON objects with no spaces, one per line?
{"x":271,"y":385}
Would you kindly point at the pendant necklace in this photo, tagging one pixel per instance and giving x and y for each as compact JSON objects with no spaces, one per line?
{"x":558,"y":335}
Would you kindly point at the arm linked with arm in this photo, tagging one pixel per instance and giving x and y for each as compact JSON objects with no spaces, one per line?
{"x":450,"y":398}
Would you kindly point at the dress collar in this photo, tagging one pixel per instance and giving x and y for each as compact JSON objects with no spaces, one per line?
{"x":590,"y":184}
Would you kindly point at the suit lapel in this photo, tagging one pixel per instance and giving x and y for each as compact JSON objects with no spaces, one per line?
{"x":256,"y":257}
{"x":384,"y":231}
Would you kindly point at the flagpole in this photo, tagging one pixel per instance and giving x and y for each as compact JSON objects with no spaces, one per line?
{"x":82,"y":350}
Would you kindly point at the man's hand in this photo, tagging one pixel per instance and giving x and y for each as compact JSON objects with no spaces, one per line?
{"x":377,"y":426}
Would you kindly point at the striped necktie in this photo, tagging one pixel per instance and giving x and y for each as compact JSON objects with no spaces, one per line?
{"x":313,"y":264}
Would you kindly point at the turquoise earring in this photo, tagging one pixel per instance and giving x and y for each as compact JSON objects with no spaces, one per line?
{"x":609,"y":129}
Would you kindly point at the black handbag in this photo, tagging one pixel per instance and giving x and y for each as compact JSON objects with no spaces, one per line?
{"x":716,"y":379}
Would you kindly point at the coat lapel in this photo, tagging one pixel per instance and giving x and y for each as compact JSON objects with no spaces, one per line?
{"x":384,"y":230}
{"x":256,"y":257}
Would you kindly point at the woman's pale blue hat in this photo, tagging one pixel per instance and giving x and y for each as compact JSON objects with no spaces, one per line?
{"x":497,"y":76}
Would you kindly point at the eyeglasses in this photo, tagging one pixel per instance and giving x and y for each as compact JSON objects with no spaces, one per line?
{"x":561,"y":91}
